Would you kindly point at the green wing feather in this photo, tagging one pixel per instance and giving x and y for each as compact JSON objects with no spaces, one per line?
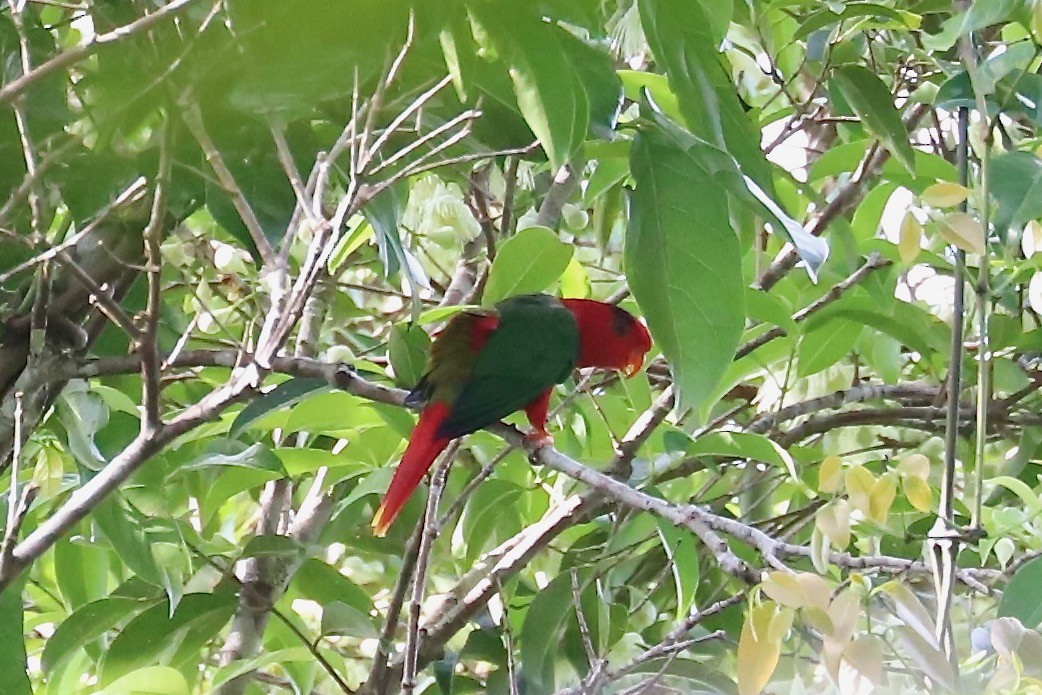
{"x":535,"y":346}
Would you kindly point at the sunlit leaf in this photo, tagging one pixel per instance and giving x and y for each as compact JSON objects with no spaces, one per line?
{"x":830,"y":472}
{"x":911,"y":235}
{"x":528,"y":262}
{"x":945,"y":194}
{"x":758,"y":653}
{"x":962,"y":231}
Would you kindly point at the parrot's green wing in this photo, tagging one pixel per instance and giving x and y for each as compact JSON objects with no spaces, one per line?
{"x":535,"y":345}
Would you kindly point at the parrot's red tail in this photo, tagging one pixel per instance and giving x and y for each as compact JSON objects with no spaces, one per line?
{"x":424,"y":446}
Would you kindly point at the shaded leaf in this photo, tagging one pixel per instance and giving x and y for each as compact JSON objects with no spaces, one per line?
{"x":407,"y":350}
{"x":285,"y":394}
{"x":873,"y":104}
{"x":1022,"y":598}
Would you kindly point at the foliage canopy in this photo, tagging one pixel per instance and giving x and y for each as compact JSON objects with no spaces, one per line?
{"x":228,"y":228}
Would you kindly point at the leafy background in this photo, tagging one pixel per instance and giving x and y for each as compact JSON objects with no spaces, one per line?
{"x":230,"y":227}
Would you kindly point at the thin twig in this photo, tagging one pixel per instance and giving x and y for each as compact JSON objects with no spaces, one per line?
{"x":74,"y":55}
{"x":148,"y":343}
{"x":419,"y":580}
{"x":193,"y":118}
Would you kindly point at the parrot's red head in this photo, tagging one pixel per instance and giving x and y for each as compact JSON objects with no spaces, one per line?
{"x":609,"y":337}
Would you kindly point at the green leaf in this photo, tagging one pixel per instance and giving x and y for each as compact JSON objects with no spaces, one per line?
{"x":549,"y":89}
{"x":1022,"y":598}
{"x":299,"y":461}
{"x":348,"y":244}
{"x":681,"y":549}
{"x":285,"y":394}
{"x":834,"y":14}
{"x":280,"y":656}
{"x":826,"y":344}
{"x":871,"y":101}
{"x":443,"y":312}
{"x":154,"y":634}
{"x":154,"y":680}
{"x":1015,"y":180}
{"x":14,"y":678}
{"x":332,"y":411}
{"x":81,"y":568}
{"x":87,"y":624}
{"x":680,"y":33}
{"x":743,"y":445}
{"x":269,"y":545}
{"x":978,"y":16}
{"x":343,"y":620}
{"x":491,"y":503}
{"x":683,"y":260}
{"x":229,"y":452}
{"x":323,"y":584}
{"x":530,"y":261}
{"x":545,"y":621}
{"x":635,"y":83}
{"x":384,"y":213}
{"x":131,"y":544}
{"x":407,"y":350}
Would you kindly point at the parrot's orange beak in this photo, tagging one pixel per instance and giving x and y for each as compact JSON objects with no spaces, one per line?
{"x":634,"y":365}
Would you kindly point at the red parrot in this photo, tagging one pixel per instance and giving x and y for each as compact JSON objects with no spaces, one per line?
{"x":487,"y":364}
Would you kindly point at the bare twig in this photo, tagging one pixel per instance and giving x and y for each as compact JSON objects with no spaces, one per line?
{"x":872,"y":263}
{"x":148,"y":344}
{"x":193,"y":118}
{"x":419,"y":580}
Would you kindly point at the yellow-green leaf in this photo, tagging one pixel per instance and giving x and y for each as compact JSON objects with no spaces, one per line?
{"x":910,"y":235}
{"x":962,"y":231}
{"x":859,"y":482}
{"x":830,"y":474}
{"x":530,"y":261}
{"x":918,"y":492}
{"x":784,"y":589}
{"x":915,"y":466}
{"x":881,"y":498}
{"x":945,"y":194}
{"x":834,"y":523}
{"x":845,"y":611}
{"x":757,"y":654}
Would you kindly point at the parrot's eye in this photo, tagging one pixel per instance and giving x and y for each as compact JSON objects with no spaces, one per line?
{"x":621,"y":322}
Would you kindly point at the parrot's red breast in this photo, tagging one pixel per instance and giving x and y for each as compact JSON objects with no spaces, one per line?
{"x":487,"y":364}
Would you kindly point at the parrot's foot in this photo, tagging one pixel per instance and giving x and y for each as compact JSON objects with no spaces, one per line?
{"x":537,"y":439}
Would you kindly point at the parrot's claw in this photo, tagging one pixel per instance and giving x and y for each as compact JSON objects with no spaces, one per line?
{"x":537,"y":439}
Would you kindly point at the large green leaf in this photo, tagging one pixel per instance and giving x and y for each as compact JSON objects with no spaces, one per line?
{"x":129,"y":541}
{"x":826,"y":344}
{"x":87,"y":624}
{"x":528,"y":262}
{"x":1022,"y":598}
{"x":545,"y":620}
{"x":548,"y":86}
{"x":1015,"y":180}
{"x":682,"y":552}
{"x":152,"y":636}
{"x":680,"y":32}
{"x":683,"y":260}
{"x":872,"y":102}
